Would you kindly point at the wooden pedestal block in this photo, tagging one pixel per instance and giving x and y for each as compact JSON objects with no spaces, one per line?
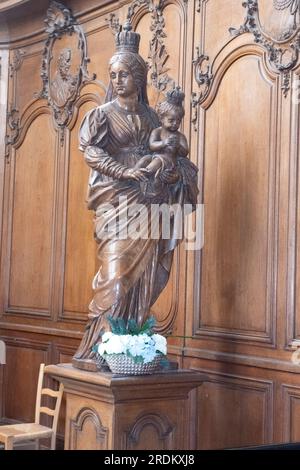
{"x":113,"y":412}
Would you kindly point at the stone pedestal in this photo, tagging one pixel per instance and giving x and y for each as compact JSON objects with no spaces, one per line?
{"x":114,"y":412}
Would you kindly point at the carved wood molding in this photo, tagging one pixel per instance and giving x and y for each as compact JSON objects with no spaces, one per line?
{"x":28,"y":343}
{"x":165,"y":431}
{"x":62,"y":89}
{"x":283,"y":53}
{"x":292,"y":312}
{"x":290,"y":395}
{"x":77,"y":425}
{"x":17,"y":126}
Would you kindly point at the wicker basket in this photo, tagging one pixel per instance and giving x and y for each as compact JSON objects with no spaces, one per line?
{"x":125,"y":365}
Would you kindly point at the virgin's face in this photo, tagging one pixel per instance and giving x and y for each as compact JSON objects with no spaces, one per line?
{"x":122,"y":80}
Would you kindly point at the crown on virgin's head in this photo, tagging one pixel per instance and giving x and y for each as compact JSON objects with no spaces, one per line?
{"x":127,"y":40}
{"x":175,"y":96}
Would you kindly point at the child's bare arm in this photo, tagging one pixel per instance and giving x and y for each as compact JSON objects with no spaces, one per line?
{"x":183,"y":148}
{"x":155,"y":142}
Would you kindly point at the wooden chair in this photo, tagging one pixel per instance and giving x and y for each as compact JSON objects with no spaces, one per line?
{"x":9,"y":434}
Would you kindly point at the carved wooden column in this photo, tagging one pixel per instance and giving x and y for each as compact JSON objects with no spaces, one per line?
{"x":113,"y":412}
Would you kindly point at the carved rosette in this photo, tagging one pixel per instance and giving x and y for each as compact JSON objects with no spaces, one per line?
{"x":64,"y":69}
{"x":282,"y":53}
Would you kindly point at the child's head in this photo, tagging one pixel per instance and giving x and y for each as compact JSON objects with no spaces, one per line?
{"x":171,"y":111}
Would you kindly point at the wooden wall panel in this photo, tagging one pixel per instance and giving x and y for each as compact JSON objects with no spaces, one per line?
{"x":23,"y":358}
{"x":239,"y":182}
{"x":101,"y":42}
{"x":33,"y":219}
{"x":229,"y":402}
{"x":80,"y":257}
{"x":291,"y":416}
{"x":216,"y":19}
{"x":233,"y":306}
{"x":24,"y":64}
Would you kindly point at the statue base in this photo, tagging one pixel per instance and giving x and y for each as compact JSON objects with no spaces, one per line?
{"x":116,"y":412}
{"x":89,"y":365}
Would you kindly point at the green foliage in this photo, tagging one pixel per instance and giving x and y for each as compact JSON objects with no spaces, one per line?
{"x":119,"y":327}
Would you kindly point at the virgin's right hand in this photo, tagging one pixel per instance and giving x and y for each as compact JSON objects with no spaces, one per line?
{"x":137,"y":175}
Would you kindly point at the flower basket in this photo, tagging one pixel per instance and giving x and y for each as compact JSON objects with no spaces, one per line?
{"x":131,"y":349}
{"x":122,"y":364}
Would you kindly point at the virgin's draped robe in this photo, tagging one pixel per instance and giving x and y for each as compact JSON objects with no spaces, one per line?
{"x":133,"y":269}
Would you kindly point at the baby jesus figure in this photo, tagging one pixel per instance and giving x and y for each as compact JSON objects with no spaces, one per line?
{"x":166,"y":141}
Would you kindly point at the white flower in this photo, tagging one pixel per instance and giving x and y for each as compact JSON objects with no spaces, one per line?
{"x":141,"y":345}
{"x":160,"y":343}
{"x":106,"y":336}
{"x":114,"y":345}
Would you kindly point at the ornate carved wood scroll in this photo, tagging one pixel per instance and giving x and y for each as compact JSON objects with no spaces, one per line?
{"x":203,"y":78}
{"x":16,"y":62}
{"x":13,"y":130}
{"x":282,"y":51}
{"x":64,"y":69}
{"x":158,"y":54}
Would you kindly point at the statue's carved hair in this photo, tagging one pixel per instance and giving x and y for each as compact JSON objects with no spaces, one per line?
{"x":166,"y":106}
{"x":173,"y":102}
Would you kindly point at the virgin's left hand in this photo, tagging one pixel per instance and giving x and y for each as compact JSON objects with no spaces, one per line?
{"x":170,"y":176}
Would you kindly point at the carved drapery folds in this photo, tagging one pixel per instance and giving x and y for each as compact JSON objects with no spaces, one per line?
{"x":283,"y":46}
{"x":64,"y":64}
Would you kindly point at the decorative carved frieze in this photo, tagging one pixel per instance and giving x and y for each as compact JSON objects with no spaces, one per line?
{"x":158,"y":55}
{"x":64,"y":69}
{"x":282,"y":52}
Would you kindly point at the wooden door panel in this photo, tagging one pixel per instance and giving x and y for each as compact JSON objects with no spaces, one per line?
{"x":33,"y":219}
{"x":239,"y":189}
